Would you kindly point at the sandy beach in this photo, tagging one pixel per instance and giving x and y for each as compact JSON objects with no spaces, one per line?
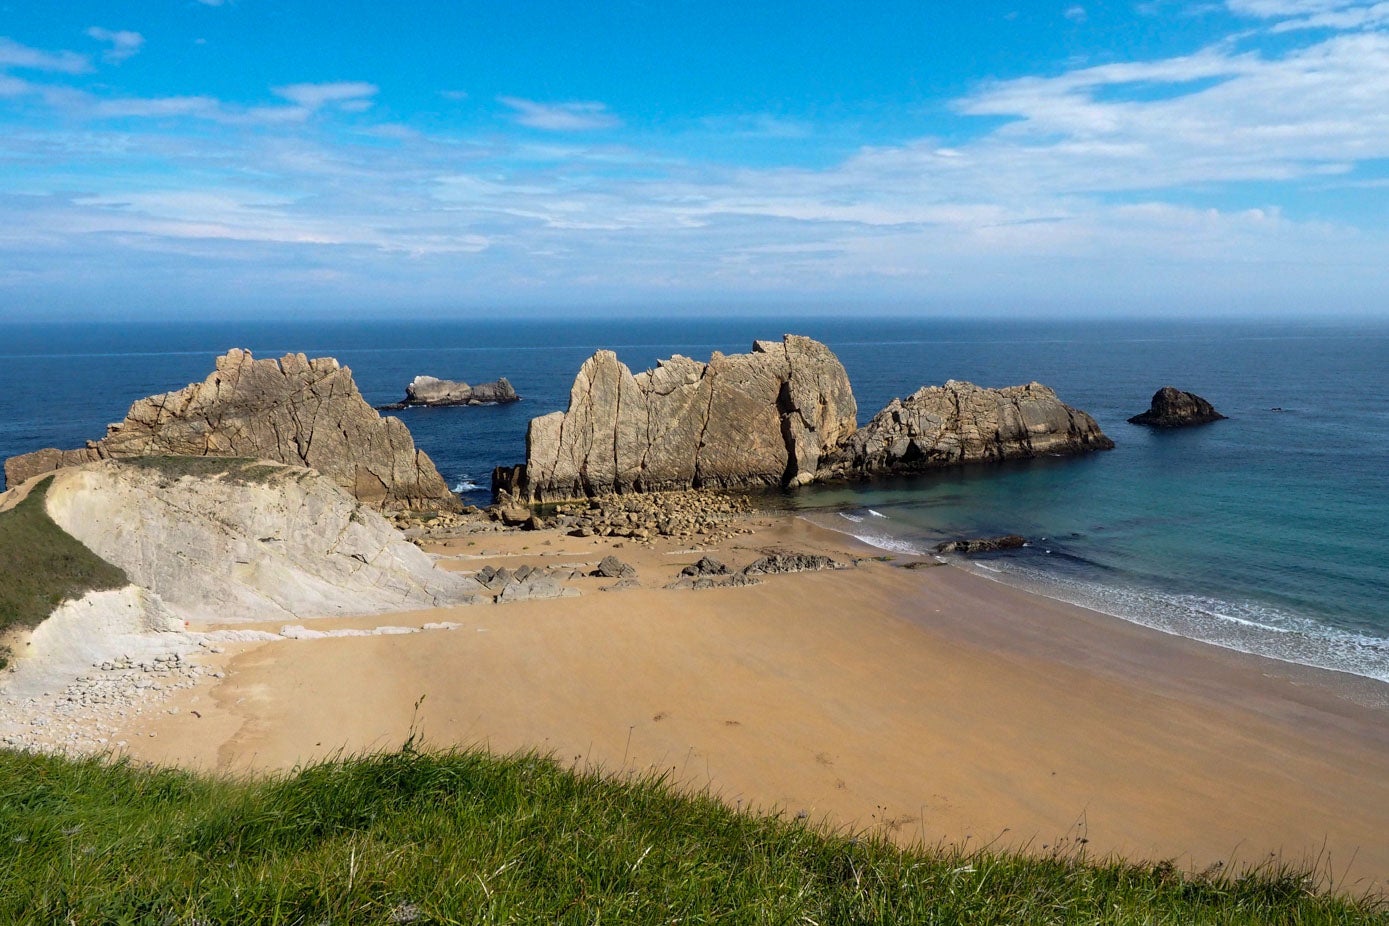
{"x":930,"y":704}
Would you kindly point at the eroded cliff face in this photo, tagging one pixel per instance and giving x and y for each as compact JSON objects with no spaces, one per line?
{"x":293,"y":410}
{"x":960,"y":422}
{"x":245,"y":540}
{"x":763,"y":418}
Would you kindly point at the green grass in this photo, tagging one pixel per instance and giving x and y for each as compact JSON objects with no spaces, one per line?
{"x":242,"y":470}
{"x":41,"y":565}
{"x":471,"y":838}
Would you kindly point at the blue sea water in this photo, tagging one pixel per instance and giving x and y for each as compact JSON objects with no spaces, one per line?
{"x":1266,"y":533}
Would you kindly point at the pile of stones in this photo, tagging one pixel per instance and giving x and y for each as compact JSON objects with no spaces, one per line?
{"x":706,"y":516}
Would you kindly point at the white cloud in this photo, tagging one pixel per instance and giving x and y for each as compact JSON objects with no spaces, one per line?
{"x":1295,"y":15}
{"x":561,"y":117}
{"x":1076,"y":14}
{"x":123,"y":42}
{"x":316,"y":96}
{"x":15,"y":55}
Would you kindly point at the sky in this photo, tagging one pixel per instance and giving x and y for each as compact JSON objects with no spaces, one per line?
{"x":257,"y":158}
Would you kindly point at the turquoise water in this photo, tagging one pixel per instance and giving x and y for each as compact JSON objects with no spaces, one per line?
{"x":1267,"y":532}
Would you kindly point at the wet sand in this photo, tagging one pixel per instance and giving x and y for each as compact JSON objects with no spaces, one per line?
{"x":931,"y":704}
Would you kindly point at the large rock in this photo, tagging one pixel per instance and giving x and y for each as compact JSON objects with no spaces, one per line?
{"x":294,"y":410}
{"x":763,"y":418}
{"x":229,"y":540}
{"x":429,"y":390}
{"x":939,"y":426}
{"x":1172,"y":408}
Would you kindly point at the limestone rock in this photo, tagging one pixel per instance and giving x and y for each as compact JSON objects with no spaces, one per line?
{"x":255,"y":541}
{"x":1172,"y":408}
{"x":293,"y":410}
{"x":429,"y":390}
{"x":783,"y":563}
{"x":960,"y":422}
{"x":763,"y":418}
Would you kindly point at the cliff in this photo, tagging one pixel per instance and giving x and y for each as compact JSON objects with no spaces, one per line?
{"x":221,"y":540}
{"x":959,"y":422}
{"x":763,"y":418}
{"x":294,"y":410}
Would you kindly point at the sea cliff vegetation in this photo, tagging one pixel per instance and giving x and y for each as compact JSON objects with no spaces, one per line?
{"x":465,"y":837}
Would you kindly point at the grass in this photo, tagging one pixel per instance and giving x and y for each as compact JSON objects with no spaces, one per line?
{"x":242,"y":470}
{"x":426,"y":838}
{"x":41,"y":565}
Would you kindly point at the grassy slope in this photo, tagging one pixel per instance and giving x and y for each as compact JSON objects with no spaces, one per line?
{"x":468,"y":838}
{"x":41,"y":565}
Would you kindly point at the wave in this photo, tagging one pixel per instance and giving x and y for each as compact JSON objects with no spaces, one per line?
{"x":876,"y":514}
{"x":1245,"y":626}
{"x":857,"y":519}
{"x":465,"y":484}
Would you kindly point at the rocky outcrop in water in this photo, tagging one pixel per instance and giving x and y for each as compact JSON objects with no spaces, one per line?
{"x":982,"y":544}
{"x":768,"y":417}
{"x":427,"y":390}
{"x":293,"y":410}
{"x":1172,"y":408}
{"x":939,"y":426}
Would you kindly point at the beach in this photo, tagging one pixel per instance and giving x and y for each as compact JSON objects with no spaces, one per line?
{"x":929,"y":704}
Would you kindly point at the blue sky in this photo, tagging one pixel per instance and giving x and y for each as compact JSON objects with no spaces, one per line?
{"x":192,"y":158}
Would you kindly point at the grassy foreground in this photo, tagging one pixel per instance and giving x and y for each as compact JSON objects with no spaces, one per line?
{"x":41,"y":565}
{"x":420,"y":838}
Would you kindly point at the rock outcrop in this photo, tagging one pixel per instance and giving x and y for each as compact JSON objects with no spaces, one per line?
{"x":959,"y":422}
{"x":982,"y":544}
{"x":294,"y":410}
{"x":764,"y":418}
{"x":230,"y":540}
{"x":428,"y":390}
{"x":1172,"y":408}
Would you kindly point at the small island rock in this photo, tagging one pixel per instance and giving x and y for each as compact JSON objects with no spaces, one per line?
{"x":430,"y":390}
{"x":1172,"y":408}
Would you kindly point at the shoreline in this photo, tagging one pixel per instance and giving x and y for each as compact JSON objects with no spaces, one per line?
{"x":1091,"y":596}
{"x":926,"y":704}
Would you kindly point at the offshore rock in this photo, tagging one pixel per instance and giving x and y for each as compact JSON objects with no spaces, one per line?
{"x":293,"y":410}
{"x":1172,"y":408}
{"x":939,"y":426}
{"x":764,"y":418}
{"x":428,"y":390}
{"x":982,"y":544}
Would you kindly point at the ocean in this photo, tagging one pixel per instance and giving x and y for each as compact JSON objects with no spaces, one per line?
{"x":1266,"y":533}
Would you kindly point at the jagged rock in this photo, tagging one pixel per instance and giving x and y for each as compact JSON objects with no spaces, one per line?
{"x":293,"y":410}
{"x":982,"y":544}
{"x":781,"y":563}
{"x":736,"y":580}
{"x":253,"y":541}
{"x":963,"y":423}
{"x":529,"y":584}
{"x":762,"y":418}
{"x":707,"y":566}
{"x":429,"y":390}
{"x":1172,"y":408}
{"x":610,"y":567}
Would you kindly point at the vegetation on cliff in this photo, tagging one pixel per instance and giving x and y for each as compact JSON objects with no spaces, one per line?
{"x":41,"y":565}
{"x":420,"y":838}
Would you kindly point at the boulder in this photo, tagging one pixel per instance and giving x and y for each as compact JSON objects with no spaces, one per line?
{"x":293,"y":410}
{"x":763,"y":418}
{"x":1172,"y":408}
{"x":610,"y":567}
{"x":707,"y":566}
{"x":982,"y":544}
{"x":939,"y":426}
{"x":429,"y":390}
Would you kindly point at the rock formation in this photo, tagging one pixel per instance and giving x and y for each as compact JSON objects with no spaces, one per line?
{"x":1172,"y":408}
{"x":982,"y":544}
{"x":245,"y":540}
{"x":960,"y":422}
{"x":293,"y":410}
{"x":763,"y":418}
{"x":427,"y":390}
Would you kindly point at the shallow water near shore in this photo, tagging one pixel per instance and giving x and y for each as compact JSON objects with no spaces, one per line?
{"x":1264,"y":533}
